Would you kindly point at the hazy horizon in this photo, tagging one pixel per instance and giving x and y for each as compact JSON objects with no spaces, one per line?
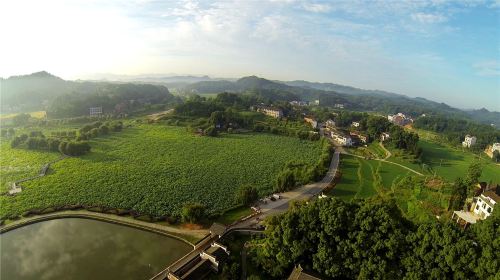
{"x":443,"y":51}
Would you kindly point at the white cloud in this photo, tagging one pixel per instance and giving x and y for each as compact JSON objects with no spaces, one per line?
{"x":428,"y":18}
{"x":317,"y":7}
{"x":488,"y":68}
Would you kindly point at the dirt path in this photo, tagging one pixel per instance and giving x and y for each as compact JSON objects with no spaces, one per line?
{"x":387,"y":152}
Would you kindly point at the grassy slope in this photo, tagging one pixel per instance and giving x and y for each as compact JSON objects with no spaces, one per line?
{"x":156,"y":169}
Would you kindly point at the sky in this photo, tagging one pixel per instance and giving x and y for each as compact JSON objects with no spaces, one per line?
{"x":446,"y":51}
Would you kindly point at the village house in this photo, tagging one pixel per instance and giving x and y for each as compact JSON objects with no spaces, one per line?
{"x":311,"y":121}
{"x":330,"y":124}
{"x":485,"y":203}
{"x":399,"y":119}
{"x":385,"y":136}
{"x":298,"y":103}
{"x":355,"y":124}
{"x":339,"y":106}
{"x":358,"y":137}
{"x":481,"y":208}
{"x":469,"y":141}
{"x":270,"y":111}
{"x":341,"y":138}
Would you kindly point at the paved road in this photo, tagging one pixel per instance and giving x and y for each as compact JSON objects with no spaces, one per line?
{"x":301,"y":193}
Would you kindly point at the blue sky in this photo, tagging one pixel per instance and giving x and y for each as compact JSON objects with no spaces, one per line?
{"x":447,"y":51}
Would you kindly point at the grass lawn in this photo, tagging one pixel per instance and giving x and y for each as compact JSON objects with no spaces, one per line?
{"x":234,"y":214}
{"x":452,"y":163}
{"x":155,"y":169}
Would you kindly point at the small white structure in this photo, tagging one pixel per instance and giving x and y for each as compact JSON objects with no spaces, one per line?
{"x":95,"y":111}
{"x":316,"y":102}
{"x":355,"y":124}
{"x":385,"y":136}
{"x":485,"y":203}
{"x":469,"y":141}
{"x":339,"y":106}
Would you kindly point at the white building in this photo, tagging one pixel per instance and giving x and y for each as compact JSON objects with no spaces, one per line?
{"x":385,"y":136}
{"x":338,"y":106}
{"x":469,"y":141}
{"x":495,"y":147}
{"x":272,"y":112}
{"x":330,"y":123}
{"x":343,"y":140}
{"x":95,"y":111}
{"x":355,"y":124}
{"x":485,"y":203}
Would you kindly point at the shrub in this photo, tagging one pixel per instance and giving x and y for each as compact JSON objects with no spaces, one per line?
{"x":193,"y":212}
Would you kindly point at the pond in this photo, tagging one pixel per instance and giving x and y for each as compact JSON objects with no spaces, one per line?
{"x":76,"y":248}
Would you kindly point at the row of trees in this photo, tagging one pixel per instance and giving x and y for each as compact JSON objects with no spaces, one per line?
{"x":372,"y":240}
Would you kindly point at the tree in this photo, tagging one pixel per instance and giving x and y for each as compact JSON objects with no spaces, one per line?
{"x":247,"y":194}
{"x":458,"y":194}
{"x":474,"y":173}
{"x":487,"y":234}
{"x":192,"y":212}
{"x":440,"y":251}
{"x":211,"y":131}
{"x":284,"y":181}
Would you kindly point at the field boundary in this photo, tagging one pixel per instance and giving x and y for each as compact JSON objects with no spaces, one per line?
{"x":156,"y":228}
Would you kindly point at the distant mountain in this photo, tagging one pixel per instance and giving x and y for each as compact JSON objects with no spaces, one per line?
{"x":44,"y":91}
{"x":339,"y":88}
{"x":485,"y":116}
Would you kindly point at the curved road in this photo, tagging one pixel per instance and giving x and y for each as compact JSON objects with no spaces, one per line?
{"x":300,"y":193}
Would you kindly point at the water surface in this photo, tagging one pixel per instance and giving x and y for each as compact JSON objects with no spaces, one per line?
{"x":85,"y":249}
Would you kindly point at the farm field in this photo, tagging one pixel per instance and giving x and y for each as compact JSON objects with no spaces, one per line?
{"x":449,"y":163}
{"x":365,"y":178}
{"x":17,"y":164}
{"x":155,"y":169}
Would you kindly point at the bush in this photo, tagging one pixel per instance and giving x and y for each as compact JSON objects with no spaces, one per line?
{"x":193,"y":212}
{"x":247,"y":194}
{"x":74,"y":148}
{"x":211,"y":131}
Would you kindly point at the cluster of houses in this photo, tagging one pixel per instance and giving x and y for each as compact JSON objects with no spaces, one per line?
{"x":299,"y":103}
{"x":400,"y":119}
{"x":269,"y":111}
{"x":481,"y":206}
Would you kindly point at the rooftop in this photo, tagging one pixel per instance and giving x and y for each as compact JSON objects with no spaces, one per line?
{"x":492,"y":195}
{"x":469,"y":217}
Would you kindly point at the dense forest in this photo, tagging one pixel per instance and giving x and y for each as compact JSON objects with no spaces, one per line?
{"x":371,"y":240}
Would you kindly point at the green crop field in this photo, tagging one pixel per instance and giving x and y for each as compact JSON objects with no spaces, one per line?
{"x":362,"y":178}
{"x":156,"y":169}
{"x":17,"y":164}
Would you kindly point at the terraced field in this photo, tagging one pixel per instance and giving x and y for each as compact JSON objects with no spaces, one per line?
{"x":365,"y":178}
{"x":156,"y":169}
